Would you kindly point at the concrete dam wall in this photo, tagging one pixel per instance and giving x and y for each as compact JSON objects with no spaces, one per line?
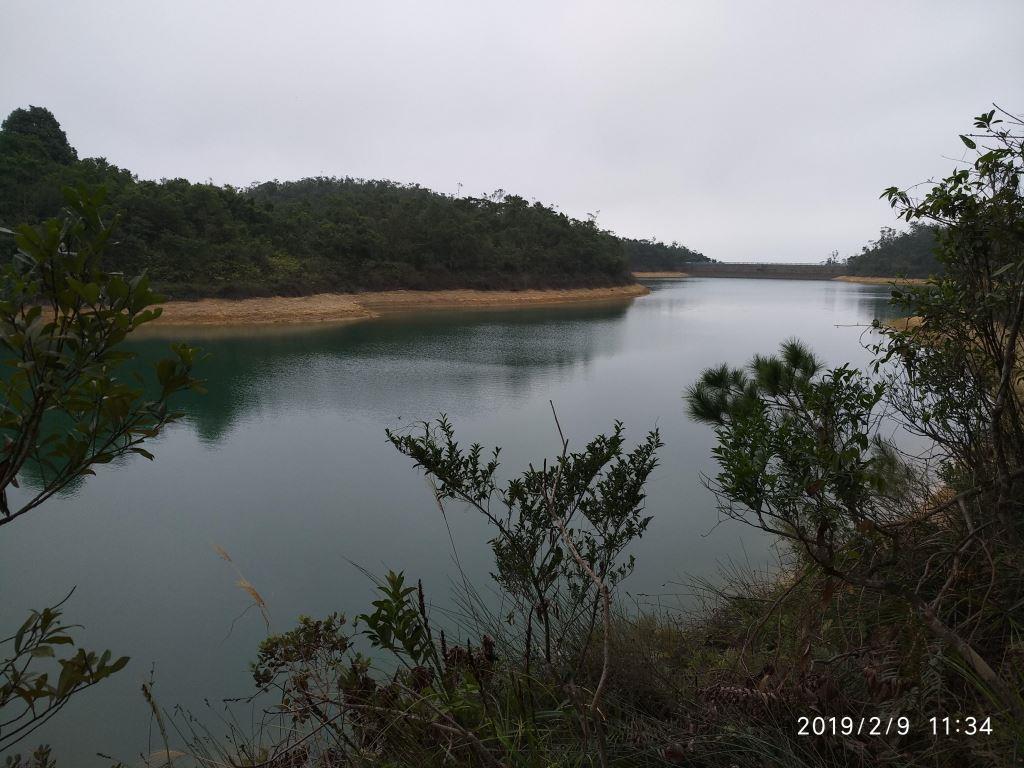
{"x":762,"y":270}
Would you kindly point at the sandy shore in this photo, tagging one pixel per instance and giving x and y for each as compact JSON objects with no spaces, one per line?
{"x":657,"y":275}
{"x":341,"y":307}
{"x":905,"y":323}
{"x":882,"y":280}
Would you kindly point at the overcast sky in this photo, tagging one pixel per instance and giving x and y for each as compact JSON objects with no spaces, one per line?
{"x":752,"y":131}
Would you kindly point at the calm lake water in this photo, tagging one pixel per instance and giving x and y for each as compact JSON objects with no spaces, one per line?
{"x":285,"y":466}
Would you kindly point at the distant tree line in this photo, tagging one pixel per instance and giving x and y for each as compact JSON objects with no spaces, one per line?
{"x":655,"y":256}
{"x":316,"y":234}
{"x":899,"y":254}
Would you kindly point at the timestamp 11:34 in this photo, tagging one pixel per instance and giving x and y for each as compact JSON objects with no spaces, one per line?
{"x":962,"y":726}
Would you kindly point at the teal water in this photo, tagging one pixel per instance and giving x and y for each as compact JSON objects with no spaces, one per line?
{"x":285,"y":466}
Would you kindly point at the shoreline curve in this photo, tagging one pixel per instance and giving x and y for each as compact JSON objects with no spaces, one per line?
{"x":351,"y":307}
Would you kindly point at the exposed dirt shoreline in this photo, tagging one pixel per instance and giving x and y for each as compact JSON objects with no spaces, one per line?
{"x":881,"y":280}
{"x":347,"y":307}
{"x":658,"y":275}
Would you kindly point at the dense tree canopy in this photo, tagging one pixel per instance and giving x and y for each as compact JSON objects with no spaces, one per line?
{"x":316,"y":234}
{"x":35,"y":131}
{"x":899,"y":254}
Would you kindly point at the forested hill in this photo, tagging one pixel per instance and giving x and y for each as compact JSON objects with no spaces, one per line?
{"x":308,"y":236}
{"x":898,"y":254}
{"x":655,"y":256}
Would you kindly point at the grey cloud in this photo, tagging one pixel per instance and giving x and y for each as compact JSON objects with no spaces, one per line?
{"x":748,"y":130}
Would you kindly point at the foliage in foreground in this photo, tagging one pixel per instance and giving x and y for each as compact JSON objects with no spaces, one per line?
{"x":906,"y":570}
{"x":66,"y":407}
{"x":526,"y":681}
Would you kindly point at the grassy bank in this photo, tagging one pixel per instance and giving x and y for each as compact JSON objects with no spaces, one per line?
{"x":344,"y":307}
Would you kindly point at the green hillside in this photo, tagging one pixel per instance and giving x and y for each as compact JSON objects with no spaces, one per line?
{"x":315,"y":234}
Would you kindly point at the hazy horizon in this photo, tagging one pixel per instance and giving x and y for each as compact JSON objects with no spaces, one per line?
{"x":747,"y":132}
